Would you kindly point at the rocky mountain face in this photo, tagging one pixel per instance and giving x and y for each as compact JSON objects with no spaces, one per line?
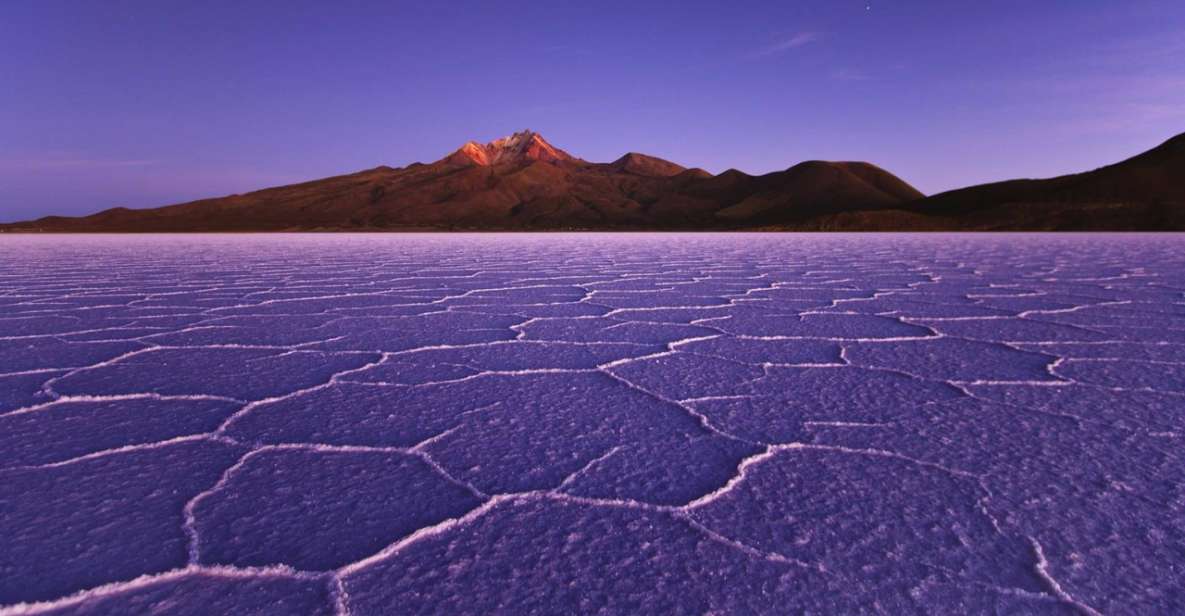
{"x":521,"y":147}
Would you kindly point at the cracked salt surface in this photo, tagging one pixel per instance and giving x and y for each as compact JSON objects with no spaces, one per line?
{"x":315,"y":424}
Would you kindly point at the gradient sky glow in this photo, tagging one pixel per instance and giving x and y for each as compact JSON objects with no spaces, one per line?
{"x":149,"y":103}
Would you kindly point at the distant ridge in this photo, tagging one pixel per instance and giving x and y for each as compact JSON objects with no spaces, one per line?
{"x":523,"y":182}
{"x":1143,"y":193}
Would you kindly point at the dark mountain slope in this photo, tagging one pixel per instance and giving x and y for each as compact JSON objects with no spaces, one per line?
{"x":1145,"y":192}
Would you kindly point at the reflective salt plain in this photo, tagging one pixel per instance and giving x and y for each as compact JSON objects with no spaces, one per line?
{"x":584,"y":423}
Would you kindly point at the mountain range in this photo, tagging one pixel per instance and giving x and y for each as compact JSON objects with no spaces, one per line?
{"x":523,"y":182}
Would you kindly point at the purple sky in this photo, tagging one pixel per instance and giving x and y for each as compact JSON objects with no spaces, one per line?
{"x":148,"y":103}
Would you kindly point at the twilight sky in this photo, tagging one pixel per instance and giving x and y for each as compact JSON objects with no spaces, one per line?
{"x":149,"y":103}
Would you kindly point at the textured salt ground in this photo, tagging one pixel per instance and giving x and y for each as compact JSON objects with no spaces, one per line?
{"x":592,"y":423}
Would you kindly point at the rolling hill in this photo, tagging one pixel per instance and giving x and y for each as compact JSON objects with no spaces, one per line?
{"x":1143,"y":193}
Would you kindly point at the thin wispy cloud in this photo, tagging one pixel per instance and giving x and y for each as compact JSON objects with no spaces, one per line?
{"x":71,"y":163}
{"x":801,"y":39}
{"x":848,"y":74}
{"x":1126,"y":115}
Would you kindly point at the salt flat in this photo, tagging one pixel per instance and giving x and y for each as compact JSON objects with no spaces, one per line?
{"x":580,"y":423}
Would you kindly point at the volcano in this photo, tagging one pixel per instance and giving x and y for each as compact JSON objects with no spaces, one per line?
{"x":523,"y":182}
